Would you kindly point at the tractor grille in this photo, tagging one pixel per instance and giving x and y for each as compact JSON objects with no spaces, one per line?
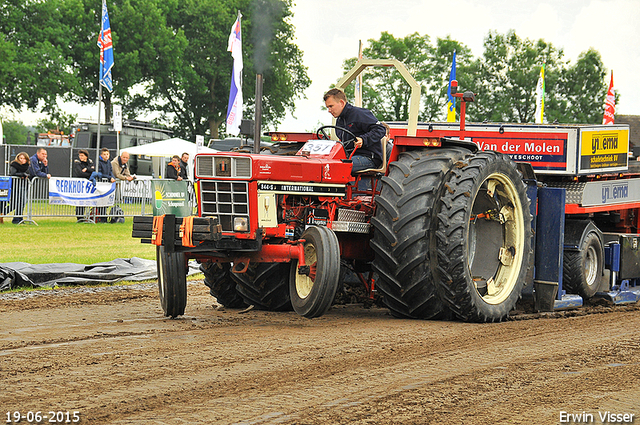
{"x":223,"y":166}
{"x":225,"y":200}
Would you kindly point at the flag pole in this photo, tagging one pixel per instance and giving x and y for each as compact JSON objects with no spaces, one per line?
{"x":99,"y":110}
{"x":358,"y":89}
{"x":106,"y":63}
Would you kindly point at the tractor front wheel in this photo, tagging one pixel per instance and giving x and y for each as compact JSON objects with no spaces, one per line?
{"x":313,"y":289}
{"x":172,"y":281}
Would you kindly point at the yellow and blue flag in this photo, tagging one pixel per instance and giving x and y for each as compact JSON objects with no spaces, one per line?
{"x":451,"y":103}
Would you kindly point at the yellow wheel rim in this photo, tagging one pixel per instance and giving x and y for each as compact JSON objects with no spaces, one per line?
{"x":304,"y":284}
{"x":501,"y":285}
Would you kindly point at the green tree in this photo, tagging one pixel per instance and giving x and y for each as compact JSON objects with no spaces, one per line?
{"x":390,"y":100}
{"x":188,"y":78}
{"x":142,"y":44}
{"x":35,"y":69}
{"x":581,"y":91}
{"x":509,"y":70}
{"x":170,"y":57}
{"x":15,"y":132}
{"x":58,"y":121}
{"x":386,"y":93}
{"x":504,"y":78}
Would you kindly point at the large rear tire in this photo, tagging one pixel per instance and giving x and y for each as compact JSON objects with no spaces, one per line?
{"x":582,"y":270}
{"x":312,"y":294}
{"x":404,"y":224}
{"x":217,"y":276}
{"x":172,"y":281}
{"x":265,"y":286}
{"x":483,"y":238}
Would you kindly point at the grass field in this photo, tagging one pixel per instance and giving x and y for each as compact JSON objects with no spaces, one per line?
{"x":62,"y":240}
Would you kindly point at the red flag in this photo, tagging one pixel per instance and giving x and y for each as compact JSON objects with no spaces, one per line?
{"x":609,"y":104}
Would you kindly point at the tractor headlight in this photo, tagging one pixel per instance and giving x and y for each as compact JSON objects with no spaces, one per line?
{"x":241,"y":224}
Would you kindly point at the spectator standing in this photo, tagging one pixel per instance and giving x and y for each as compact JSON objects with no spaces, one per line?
{"x":105,"y":171}
{"x":120,"y":167}
{"x":174,"y":170}
{"x":38,"y":166}
{"x":82,"y":168}
{"x":19,"y":170}
{"x":184,"y":164}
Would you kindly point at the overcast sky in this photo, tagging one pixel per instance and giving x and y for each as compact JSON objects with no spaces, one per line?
{"x":328,"y":31}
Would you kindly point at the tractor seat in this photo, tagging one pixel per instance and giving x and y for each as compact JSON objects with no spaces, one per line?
{"x":383,"y":166}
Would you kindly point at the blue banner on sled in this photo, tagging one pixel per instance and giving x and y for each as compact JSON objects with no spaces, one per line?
{"x":80,"y":192}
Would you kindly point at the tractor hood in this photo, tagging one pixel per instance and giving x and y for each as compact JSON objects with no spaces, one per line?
{"x":240,"y":166}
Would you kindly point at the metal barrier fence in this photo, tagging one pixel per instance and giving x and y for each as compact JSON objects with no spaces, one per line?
{"x":14,"y":208}
{"x":30,"y":199}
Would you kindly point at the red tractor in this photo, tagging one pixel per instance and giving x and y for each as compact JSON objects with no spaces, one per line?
{"x":446,"y":228}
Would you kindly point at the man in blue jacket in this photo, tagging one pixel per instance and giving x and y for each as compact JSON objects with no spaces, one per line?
{"x":38,"y":164}
{"x":361,"y":122}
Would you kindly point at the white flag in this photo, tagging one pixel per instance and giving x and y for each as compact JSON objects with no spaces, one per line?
{"x":234,"y":109}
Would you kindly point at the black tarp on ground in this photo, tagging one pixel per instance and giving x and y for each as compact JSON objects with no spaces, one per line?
{"x":13,"y":275}
{"x":10,"y":279}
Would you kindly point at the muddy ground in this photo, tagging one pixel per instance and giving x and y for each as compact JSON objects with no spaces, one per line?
{"x":110,"y":355}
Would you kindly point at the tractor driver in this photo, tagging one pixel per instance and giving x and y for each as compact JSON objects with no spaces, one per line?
{"x":361,"y":122}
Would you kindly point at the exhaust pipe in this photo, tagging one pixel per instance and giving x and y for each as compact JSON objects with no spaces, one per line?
{"x":258,"y":118}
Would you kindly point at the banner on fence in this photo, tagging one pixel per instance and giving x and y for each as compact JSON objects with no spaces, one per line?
{"x":80,"y":192}
{"x":171,"y":197}
{"x":5,"y":188}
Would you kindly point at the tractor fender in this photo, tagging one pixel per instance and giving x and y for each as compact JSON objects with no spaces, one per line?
{"x":452,"y":142}
{"x":575,"y":231}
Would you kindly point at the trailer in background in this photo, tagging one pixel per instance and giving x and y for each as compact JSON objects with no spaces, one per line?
{"x":134,"y":133}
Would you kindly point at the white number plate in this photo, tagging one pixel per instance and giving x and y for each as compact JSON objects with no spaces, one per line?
{"x":318,"y":147}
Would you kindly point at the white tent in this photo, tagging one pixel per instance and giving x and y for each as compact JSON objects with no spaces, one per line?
{"x":166,"y":149}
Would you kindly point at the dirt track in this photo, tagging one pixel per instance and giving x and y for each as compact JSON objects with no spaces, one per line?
{"x":112,"y":356}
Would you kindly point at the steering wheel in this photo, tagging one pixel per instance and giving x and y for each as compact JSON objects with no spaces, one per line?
{"x":348,"y":144}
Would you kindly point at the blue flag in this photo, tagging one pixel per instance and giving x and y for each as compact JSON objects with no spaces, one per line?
{"x":451,"y":102}
{"x":106,"y":49}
